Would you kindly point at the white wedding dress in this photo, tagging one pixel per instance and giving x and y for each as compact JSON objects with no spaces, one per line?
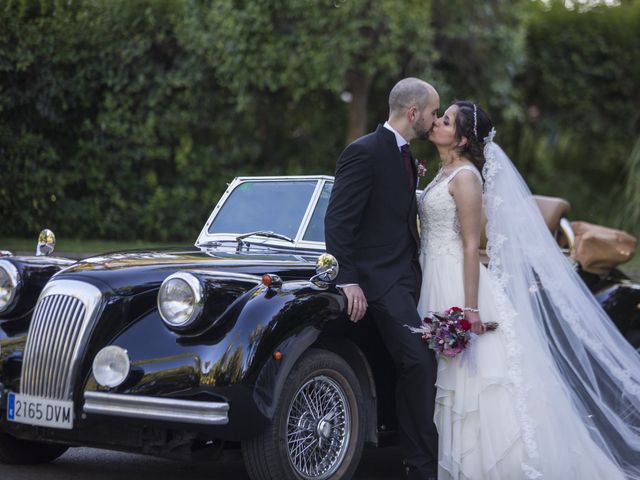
{"x":502,"y":411}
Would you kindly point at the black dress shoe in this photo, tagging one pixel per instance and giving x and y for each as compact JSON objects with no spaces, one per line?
{"x":412,"y":473}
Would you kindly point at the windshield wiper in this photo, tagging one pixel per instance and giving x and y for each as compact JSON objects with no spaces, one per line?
{"x":260,"y":233}
{"x":263,"y":233}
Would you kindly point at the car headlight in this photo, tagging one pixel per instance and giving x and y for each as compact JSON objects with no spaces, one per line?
{"x":9,"y":284}
{"x":111,"y":366}
{"x":180,"y":300}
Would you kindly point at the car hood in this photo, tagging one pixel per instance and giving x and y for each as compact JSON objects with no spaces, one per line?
{"x":127,"y":273}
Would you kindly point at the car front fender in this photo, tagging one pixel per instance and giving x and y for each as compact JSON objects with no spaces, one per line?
{"x":274,"y":372}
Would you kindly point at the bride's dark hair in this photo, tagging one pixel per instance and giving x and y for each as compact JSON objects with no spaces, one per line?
{"x":474,"y":148}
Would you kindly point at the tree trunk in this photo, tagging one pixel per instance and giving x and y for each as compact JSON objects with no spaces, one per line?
{"x":359,"y":85}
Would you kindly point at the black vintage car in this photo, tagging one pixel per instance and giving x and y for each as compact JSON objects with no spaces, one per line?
{"x":238,"y":342}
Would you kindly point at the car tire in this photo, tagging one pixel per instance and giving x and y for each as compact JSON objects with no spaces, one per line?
{"x":305,"y":442}
{"x":15,"y":451}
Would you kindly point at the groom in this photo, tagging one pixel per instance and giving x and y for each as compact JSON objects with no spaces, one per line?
{"x":370,"y":227}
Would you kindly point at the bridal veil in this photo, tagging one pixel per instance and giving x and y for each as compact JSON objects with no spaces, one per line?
{"x":580,"y":348}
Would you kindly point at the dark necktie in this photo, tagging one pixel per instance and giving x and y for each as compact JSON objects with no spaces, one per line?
{"x":406,"y":157}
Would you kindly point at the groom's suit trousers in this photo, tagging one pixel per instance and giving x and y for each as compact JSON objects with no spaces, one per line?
{"x":416,"y":370}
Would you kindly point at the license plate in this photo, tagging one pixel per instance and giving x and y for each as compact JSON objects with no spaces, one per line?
{"x":39,"y":411}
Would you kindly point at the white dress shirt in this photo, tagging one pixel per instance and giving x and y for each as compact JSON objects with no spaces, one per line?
{"x":399,"y":138}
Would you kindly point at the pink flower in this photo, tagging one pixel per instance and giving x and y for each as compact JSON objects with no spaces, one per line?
{"x":448,"y":351}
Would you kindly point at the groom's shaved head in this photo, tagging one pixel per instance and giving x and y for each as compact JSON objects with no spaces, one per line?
{"x":407,"y":92}
{"x":413,"y":108}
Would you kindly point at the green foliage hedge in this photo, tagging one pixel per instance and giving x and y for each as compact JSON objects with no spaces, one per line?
{"x":105,"y":117}
{"x":582,"y":84}
{"x":125,"y":119}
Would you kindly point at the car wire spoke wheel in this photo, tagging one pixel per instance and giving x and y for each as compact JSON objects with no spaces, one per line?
{"x":318,"y":428}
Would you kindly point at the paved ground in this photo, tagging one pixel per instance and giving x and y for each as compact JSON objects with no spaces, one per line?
{"x":88,"y":463}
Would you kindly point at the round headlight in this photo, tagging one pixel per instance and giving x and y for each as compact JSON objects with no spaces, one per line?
{"x":180,"y":300}
{"x":9,"y":282}
{"x":111,"y":366}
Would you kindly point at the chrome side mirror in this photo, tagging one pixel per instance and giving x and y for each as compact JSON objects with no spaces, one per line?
{"x":46,"y":243}
{"x":326,"y":271}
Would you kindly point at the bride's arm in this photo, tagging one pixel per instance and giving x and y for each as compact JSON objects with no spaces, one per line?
{"x":467,"y":194}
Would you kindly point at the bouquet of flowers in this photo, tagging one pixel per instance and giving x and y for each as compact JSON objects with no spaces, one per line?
{"x":447,"y":333}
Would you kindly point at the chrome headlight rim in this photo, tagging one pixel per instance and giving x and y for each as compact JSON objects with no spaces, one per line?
{"x":198,"y":300}
{"x":16,"y":280}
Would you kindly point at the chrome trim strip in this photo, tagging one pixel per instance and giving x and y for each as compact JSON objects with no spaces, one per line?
{"x":227,"y":275}
{"x":270,"y":178}
{"x":154,"y":408}
{"x":313,"y":246}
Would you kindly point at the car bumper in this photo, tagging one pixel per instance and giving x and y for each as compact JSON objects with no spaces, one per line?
{"x":154,"y":408}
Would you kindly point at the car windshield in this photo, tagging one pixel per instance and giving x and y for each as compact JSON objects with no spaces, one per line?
{"x":275,"y":206}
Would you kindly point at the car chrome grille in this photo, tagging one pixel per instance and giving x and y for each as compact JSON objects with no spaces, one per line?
{"x":56,"y":333}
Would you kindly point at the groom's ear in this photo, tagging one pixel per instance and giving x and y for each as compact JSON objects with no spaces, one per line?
{"x":412,"y":112}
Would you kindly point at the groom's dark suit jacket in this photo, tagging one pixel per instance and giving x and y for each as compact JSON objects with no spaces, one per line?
{"x":370,"y":225}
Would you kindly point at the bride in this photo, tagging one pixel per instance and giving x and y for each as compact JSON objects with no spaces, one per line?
{"x":554,"y":391}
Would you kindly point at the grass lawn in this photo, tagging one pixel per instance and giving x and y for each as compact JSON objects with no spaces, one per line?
{"x":76,"y":247}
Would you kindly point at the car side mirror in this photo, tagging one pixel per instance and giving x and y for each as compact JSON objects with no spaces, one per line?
{"x":46,"y":243}
{"x":326,"y":271}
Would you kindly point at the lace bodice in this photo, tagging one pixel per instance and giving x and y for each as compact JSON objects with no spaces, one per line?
{"x":439,"y":225}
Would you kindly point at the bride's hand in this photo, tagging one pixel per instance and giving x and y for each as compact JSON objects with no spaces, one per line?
{"x":477,"y":326}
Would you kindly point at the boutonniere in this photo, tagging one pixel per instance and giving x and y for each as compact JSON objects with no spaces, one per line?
{"x":420,"y":168}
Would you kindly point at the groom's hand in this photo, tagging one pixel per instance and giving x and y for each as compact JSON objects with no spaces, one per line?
{"x":356,"y":302}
